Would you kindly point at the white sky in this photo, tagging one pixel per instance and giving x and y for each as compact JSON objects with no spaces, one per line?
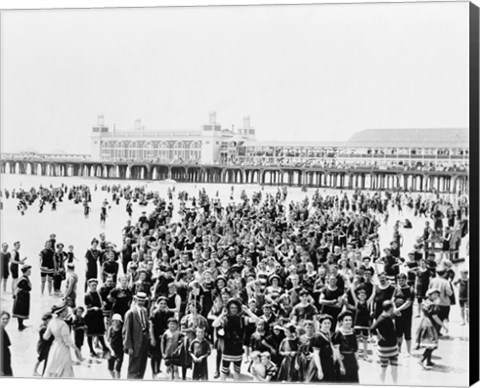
{"x":319,"y":72}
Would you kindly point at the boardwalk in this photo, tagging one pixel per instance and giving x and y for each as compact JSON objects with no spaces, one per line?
{"x":448,"y":181}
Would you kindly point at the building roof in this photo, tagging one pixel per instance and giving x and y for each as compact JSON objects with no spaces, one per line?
{"x":276,"y":143}
{"x":154,"y":134}
{"x":411,"y":137}
{"x":426,"y":137}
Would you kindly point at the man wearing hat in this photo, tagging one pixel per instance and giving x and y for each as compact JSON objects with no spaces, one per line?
{"x":136,"y":338}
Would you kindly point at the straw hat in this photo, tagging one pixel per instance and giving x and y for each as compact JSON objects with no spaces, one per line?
{"x":58,"y":309}
{"x":141,"y":296}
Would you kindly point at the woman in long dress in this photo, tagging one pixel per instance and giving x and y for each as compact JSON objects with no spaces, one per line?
{"x":346,"y":345}
{"x":288,"y":350}
{"x":324,"y":357}
{"x":94,"y":318}
{"x":21,"y":304}
{"x":304,"y":361}
{"x":92,"y":257}
{"x":6,"y":358}
{"x":219,"y":333}
{"x":59,"y":362}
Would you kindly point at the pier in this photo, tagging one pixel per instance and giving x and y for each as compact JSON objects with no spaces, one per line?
{"x":365,"y":178}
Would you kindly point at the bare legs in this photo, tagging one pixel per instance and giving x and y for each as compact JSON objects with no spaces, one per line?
{"x":42,"y":287}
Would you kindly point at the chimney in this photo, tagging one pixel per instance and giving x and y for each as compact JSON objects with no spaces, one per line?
{"x":213,"y":118}
{"x":138,"y":125}
{"x":100,"y":121}
{"x":246,"y":122}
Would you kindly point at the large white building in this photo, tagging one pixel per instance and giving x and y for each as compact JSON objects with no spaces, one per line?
{"x":211,"y":144}
{"x":422,"y":149}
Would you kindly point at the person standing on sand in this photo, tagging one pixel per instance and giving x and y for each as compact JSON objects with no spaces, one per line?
{"x":59,"y":362}
{"x":59,"y":258}
{"x":92,"y":257}
{"x":6,"y":359}
{"x":47,"y":267}
{"x":15,"y":262}
{"x":4,"y":261}
{"x":94,"y":318}
{"x":21,"y":305}
{"x":445,"y":289}
{"x":136,"y":337}
{"x":71,"y":286}
{"x":384,"y":327}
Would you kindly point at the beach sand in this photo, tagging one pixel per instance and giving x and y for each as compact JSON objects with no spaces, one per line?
{"x":72,"y":228}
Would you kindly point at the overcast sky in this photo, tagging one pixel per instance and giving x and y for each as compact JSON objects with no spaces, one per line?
{"x":319,"y":72}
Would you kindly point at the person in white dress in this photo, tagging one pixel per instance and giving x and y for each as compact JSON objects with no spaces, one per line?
{"x":59,"y":358}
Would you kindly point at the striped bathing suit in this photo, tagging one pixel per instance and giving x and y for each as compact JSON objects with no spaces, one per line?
{"x":387,"y":344}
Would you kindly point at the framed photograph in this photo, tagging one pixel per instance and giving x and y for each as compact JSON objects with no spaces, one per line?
{"x":240,"y":192}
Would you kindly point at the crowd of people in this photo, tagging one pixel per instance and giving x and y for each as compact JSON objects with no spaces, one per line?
{"x":284,"y":291}
{"x":344,"y":163}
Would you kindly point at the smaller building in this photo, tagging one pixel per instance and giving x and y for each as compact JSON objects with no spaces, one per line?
{"x":422,"y":149}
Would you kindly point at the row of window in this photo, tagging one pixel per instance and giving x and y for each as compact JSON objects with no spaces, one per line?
{"x":320,"y":153}
{"x":150,"y":154}
{"x":152,"y":145}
